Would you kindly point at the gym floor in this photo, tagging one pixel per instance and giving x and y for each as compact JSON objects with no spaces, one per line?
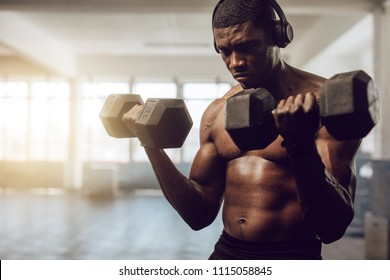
{"x":51,"y":225}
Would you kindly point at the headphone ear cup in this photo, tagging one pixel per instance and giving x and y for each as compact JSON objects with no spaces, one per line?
{"x":282,"y":34}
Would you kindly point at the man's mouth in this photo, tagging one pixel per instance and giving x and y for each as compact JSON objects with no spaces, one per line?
{"x":242,"y":77}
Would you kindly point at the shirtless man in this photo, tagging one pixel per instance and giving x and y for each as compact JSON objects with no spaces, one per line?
{"x":280,"y":202}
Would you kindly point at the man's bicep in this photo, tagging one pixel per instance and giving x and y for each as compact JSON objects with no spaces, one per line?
{"x":208,"y":170}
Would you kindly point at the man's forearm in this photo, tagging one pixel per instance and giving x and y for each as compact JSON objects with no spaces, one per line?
{"x":326,"y":204}
{"x":182,"y":193}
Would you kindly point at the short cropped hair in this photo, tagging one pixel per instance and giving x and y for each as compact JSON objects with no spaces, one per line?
{"x":232,"y":12}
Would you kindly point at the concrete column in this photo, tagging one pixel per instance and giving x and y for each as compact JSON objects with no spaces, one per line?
{"x":377,"y":222}
{"x":74,"y":165}
{"x":382,"y":74}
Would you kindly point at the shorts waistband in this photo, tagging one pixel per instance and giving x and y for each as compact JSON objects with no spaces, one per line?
{"x":291,"y":249}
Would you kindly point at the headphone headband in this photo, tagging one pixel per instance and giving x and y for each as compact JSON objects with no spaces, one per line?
{"x":282,"y":31}
{"x":278,"y":10}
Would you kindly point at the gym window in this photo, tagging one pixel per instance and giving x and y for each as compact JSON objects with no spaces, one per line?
{"x":34,"y":121}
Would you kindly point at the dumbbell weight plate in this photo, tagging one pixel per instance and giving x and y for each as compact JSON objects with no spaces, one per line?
{"x":349,"y":105}
{"x":249,"y":120}
{"x":164,"y":123}
{"x":115,"y":106}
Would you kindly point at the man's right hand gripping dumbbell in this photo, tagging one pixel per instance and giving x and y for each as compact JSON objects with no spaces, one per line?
{"x":130,"y":118}
{"x":159,"y":123}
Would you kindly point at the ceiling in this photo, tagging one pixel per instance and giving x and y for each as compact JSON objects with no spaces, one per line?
{"x":55,"y":33}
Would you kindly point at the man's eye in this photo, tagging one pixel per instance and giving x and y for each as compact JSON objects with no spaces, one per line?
{"x":224,"y":52}
{"x":246,"y":47}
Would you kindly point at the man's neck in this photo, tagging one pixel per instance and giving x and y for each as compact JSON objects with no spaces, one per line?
{"x":280,"y":80}
{"x":287,"y":80}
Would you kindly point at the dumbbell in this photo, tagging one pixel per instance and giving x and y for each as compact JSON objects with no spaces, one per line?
{"x":163,"y":123}
{"x":349,"y":109}
{"x":249,"y":120}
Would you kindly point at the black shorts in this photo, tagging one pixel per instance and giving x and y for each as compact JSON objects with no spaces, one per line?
{"x":230,"y":248}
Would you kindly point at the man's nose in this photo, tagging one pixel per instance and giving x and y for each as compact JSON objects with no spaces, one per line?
{"x":236,"y":61}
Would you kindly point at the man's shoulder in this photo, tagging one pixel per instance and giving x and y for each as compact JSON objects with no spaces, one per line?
{"x":308,"y":82}
{"x":235,"y":89}
{"x":309,"y":76}
{"x":215,"y":110}
{"x":217,"y":103}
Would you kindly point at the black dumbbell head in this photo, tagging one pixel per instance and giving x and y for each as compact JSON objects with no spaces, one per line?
{"x":113,"y":109}
{"x":164,"y":123}
{"x":249,"y":120}
{"x":349,"y":105}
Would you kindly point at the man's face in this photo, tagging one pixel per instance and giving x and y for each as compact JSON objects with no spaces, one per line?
{"x":248,"y":53}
